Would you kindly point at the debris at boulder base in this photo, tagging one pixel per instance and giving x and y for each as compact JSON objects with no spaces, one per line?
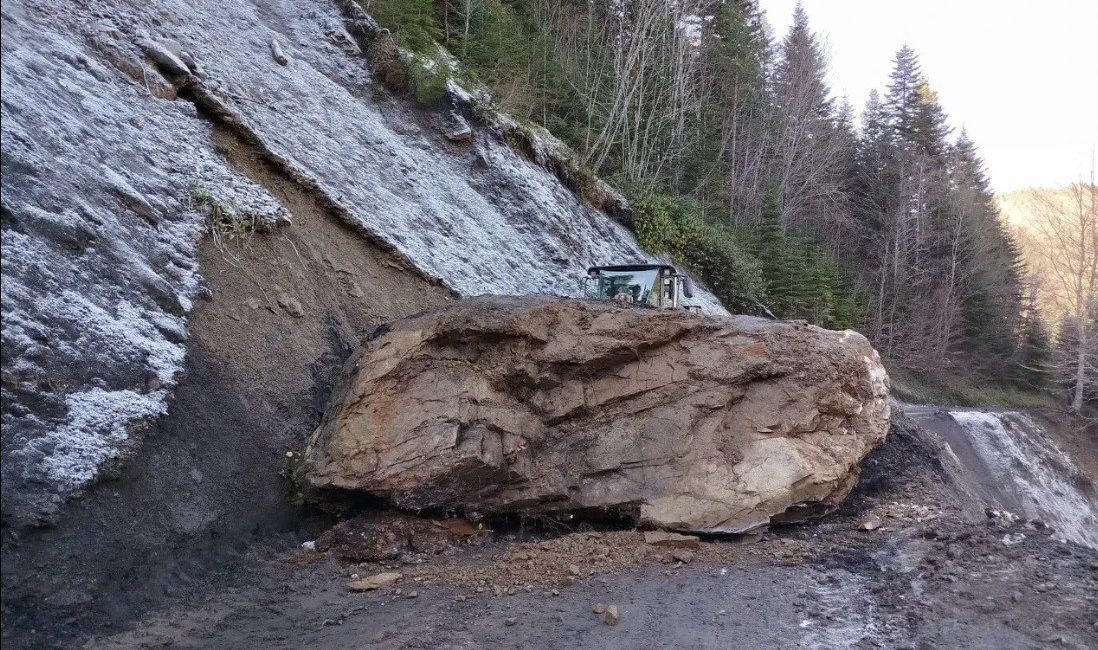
{"x":375,"y":538}
{"x":536,"y":404}
{"x":549,"y":563}
{"x":461,"y":527}
{"x":376,"y":581}
{"x":668,"y":539}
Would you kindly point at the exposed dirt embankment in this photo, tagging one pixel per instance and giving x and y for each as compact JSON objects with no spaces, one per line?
{"x":281,"y":312}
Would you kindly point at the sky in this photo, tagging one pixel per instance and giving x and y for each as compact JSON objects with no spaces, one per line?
{"x":1020,"y":76}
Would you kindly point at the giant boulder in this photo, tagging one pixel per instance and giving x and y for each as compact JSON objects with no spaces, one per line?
{"x":538,"y":404}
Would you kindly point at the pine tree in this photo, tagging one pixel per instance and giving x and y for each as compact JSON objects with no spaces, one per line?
{"x":993,"y":267}
{"x":917,"y":245}
{"x":801,"y":91}
{"x":1033,"y":362}
{"x":770,"y":232}
{"x":875,"y":176}
{"x":929,"y":129}
{"x":848,"y":311}
{"x":809,"y":147}
{"x":875,"y":202}
{"x":847,"y":137}
{"x":903,"y":92}
{"x":495,"y":44}
{"x":775,"y":259}
{"x":818,"y":291}
{"x":728,"y":167}
{"x":842,"y":238}
{"x":738,"y":52}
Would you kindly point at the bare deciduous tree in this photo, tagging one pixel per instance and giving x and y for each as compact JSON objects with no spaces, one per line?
{"x":1063,"y":237}
{"x":635,"y":66}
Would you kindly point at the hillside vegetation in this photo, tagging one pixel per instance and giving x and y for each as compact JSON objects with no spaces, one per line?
{"x":741,"y":163}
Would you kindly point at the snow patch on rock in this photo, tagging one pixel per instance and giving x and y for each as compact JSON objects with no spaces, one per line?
{"x":97,"y":428}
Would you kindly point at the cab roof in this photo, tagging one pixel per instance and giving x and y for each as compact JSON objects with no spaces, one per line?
{"x":625,"y":268}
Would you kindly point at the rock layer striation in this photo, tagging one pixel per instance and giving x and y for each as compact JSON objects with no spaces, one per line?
{"x":537,"y":404}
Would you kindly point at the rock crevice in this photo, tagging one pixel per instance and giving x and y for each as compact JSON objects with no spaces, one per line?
{"x":520,"y":404}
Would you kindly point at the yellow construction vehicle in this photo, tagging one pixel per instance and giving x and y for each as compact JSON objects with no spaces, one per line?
{"x":652,"y":285}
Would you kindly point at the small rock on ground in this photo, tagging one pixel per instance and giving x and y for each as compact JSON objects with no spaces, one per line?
{"x":376,"y":581}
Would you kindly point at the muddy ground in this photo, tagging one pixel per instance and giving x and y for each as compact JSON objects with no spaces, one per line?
{"x":926,"y":577}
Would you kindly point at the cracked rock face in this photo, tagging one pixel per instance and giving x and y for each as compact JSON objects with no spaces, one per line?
{"x":533,"y":404}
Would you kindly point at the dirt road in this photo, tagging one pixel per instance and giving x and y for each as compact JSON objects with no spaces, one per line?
{"x":926,"y":577}
{"x":891,"y":589}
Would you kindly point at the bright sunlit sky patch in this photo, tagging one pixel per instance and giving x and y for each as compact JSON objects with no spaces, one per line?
{"x":1019,"y":75}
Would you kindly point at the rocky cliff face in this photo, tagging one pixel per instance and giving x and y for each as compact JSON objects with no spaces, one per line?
{"x":528,"y":404}
{"x":111,"y":176}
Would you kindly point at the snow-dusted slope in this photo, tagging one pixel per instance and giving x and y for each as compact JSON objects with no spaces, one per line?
{"x":1006,"y":461}
{"x":1031,"y":472}
{"x":100,"y":164}
{"x":99,"y":243}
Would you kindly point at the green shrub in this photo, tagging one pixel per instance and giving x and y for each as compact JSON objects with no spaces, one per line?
{"x":664,"y":224}
{"x":224,"y":221}
{"x":414,"y":23}
{"x":731,"y":273}
{"x":414,"y":26}
{"x":429,"y":78}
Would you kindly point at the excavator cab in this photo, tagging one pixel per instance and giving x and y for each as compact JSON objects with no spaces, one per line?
{"x":652,"y":285}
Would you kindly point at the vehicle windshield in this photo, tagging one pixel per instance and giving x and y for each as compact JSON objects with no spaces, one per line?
{"x":635,"y":287}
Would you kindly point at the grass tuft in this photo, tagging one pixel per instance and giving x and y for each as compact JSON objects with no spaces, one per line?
{"x":225,"y":222}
